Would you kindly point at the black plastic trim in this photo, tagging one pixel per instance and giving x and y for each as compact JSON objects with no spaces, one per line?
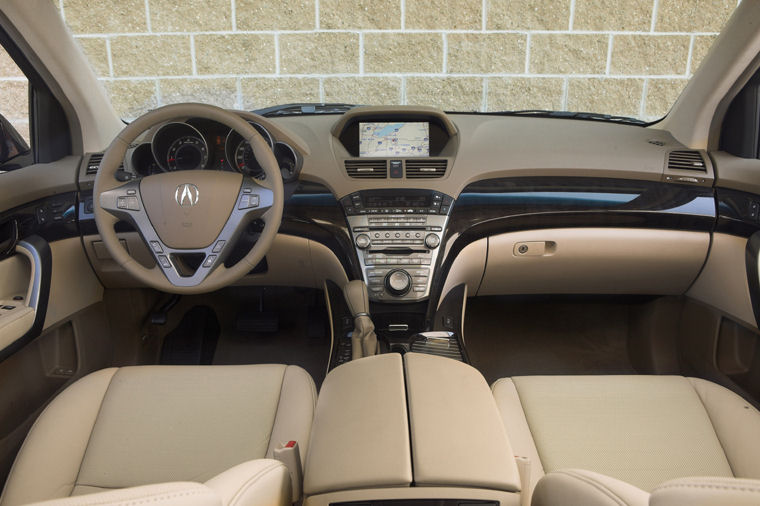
{"x":46,"y":260}
{"x":753,"y":276}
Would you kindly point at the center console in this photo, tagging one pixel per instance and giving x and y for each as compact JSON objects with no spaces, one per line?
{"x":416,"y":429}
{"x":396,"y":233}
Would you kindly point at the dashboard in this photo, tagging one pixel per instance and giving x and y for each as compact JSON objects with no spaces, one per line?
{"x":202,"y":144}
{"x":397,"y":193}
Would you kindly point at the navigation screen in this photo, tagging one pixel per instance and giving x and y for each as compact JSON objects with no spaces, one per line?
{"x":394,"y":139}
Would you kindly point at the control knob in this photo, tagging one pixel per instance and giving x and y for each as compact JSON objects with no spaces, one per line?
{"x":363,"y":241}
{"x":432,"y":241}
{"x":398,"y":282}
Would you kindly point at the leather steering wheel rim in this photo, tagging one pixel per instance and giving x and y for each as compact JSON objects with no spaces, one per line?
{"x":218,"y":276}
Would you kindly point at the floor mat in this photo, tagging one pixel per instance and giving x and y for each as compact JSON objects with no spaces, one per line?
{"x":194,"y":340}
{"x":505,"y":337}
{"x":295,"y":342}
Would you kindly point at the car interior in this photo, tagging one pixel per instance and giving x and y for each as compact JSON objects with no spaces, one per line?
{"x":381,"y":304}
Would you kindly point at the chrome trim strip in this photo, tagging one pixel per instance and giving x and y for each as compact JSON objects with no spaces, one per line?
{"x":31,"y":252}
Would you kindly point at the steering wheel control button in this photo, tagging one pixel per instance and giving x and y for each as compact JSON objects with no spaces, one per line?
{"x":363,"y":241}
{"x":156,"y":246}
{"x":218,"y":246}
{"x":432,"y":241}
{"x":209,"y":261}
{"x":128,"y":203}
{"x":249,"y":201}
{"x":398,"y":282}
{"x":164,"y":261}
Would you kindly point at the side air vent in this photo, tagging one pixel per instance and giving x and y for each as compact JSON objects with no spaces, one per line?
{"x":367,"y":169}
{"x":93,"y":163}
{"x":420,"y":169}
{"x":686,"y":160}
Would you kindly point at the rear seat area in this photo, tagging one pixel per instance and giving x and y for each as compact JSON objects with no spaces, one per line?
{"x":638,"y":430}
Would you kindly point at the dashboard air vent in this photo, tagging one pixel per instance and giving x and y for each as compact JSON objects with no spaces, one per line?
{"x":419,"y":169}
{"x":367,"y":169}
{"x":93,"y":163}
{"x":686,"y":160}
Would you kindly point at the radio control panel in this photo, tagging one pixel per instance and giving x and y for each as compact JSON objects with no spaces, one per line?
{"x":397,"y":234}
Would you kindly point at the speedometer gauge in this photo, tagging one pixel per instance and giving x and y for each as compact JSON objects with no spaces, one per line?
{"x":246,"y":162}
{"x":187,"y":153}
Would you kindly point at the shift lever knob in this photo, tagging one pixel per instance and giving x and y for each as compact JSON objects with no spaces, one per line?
{"x":357,"y":298}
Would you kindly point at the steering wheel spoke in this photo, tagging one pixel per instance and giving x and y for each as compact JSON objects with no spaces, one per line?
{"x":189,"y":220}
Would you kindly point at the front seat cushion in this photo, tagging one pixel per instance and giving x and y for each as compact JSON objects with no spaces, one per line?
{"x":643,"y":430}
{"x":134,"y":426}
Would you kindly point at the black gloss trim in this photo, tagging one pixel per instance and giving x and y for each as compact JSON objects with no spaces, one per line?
{"x":52,"y":218}
{"x":46,"y":259}
{"x":501,"y":205}
{"x":735,"y":212}
{"x":751,"y":258}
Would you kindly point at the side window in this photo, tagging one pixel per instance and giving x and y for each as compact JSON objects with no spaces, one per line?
{"x":15,"y":143}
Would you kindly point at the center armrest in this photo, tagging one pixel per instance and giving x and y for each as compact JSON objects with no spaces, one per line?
{"x":457,"y":436}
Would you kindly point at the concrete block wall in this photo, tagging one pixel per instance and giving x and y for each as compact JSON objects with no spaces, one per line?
{"x":630,"y":57}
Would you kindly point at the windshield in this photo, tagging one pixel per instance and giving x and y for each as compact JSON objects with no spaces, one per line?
{"x":628,"y":58}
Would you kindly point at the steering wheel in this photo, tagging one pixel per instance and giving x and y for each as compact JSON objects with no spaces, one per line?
{"x":193,"y":214}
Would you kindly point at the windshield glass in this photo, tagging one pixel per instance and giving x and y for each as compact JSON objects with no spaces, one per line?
{"x":629,"y":58}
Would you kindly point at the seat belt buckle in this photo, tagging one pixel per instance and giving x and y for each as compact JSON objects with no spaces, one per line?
{"x":290,"y":455}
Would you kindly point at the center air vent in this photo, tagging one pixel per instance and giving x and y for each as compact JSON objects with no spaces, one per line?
{"x":419,"y":169}
{"x":367,"y":169}
{"x":686,"y":160}
{"x":93,"y":163}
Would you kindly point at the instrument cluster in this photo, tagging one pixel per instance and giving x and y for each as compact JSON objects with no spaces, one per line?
{"x":201,"y":144}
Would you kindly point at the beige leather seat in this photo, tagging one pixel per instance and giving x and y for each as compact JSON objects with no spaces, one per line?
{"x":134,"y":426}
{"x":613,"y":439}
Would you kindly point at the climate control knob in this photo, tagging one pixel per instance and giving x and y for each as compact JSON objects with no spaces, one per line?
{"x":398,"y":282}
{"x":432,"y":241}
{"x":363,"y":241}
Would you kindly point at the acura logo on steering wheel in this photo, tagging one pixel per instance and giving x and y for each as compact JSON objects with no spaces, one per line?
{"x":187,"y":195}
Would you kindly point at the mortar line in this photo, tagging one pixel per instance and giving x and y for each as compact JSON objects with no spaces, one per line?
{"x":192,"y":55}
{"x":391,"y":31}
{"x":655,"y":6}
{"x":108,"y":55}
{"x":642,"y":102}
{"x":689,"y":70}
{"x":445,"y":62}
{"x":610,"y":42}
{"x":572,"y":15}
{"x":147,"y":16}
{"x":527,"y":53}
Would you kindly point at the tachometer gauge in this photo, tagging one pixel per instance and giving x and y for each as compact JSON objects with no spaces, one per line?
{"x":246,"y":162}
{"x":187,"y":153}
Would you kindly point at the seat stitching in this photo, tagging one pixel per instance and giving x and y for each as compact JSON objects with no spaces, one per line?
{"x":277,"y":409}
{"x":92,"y":430}
{"x":146,"y":498}
{"x":599,"y":486}
{"x":527,"y":424}
{"x":712,"y":424}
{"x":727,"y":486}
{"x":253,"y":479}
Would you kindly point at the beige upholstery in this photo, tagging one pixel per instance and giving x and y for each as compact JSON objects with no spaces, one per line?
{"x":456,"y":433}
{"x":134,"y":426}
{"x":361,"y":428}
{"x":637,"y":431}
{"x":578,"y":487}
{"x":707,"y":492}
{"x":260,"y":482}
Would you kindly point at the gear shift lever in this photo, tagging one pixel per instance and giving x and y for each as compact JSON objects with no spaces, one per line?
{"x":363,"y":338}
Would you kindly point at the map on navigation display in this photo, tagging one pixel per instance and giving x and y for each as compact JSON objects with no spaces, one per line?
{"x":394,"y":139}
